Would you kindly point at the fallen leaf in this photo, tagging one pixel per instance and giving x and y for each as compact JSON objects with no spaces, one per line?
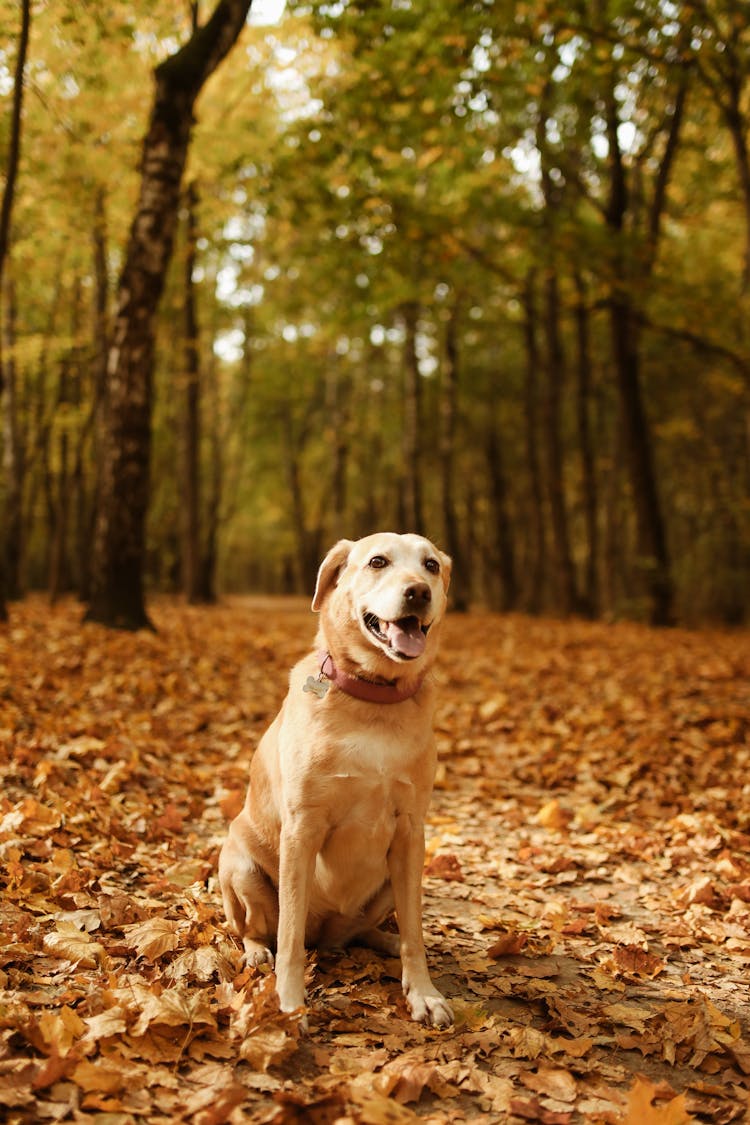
{"x":642,"y":1111}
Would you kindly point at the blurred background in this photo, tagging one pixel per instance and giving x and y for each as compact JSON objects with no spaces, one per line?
{"x":474,"y":268}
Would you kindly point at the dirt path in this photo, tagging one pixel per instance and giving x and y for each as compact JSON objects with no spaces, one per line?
{"x":587,"y":892}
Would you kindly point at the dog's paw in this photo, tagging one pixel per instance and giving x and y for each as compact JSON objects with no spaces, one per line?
{"x":430,"y":1007}
{"x":257,"y":954}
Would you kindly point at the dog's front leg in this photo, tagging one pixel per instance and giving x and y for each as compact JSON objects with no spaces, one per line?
{"x":297,"y":853}
{"x":405,"y":862}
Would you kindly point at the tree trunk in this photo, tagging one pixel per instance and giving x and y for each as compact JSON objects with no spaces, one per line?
{"x":87,"y":508}
{"x":338,"y":416}
{"x":653,"y":557}
{"x":215,"y":482}
{"x":501,"y":519}
{"x":6,"y":211}
{"x":590,"y":598}
{"x":411,"y":489}
{"x":14,"y":454}
{"x":565,"y":579}
{"x":448,"y":476}
{"x":536,"y":562}
{"x":118,"y":563}
{"x":191,"y":434}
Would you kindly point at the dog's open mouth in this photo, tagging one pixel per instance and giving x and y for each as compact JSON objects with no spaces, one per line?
{"x":406,"y":637}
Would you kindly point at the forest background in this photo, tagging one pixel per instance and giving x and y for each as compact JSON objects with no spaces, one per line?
{"x":478,"y":269}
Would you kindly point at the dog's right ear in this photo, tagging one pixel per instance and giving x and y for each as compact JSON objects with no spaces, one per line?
{"x":330,"y":569}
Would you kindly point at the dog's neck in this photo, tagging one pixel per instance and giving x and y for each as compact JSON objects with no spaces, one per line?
{"x":367,"y":690}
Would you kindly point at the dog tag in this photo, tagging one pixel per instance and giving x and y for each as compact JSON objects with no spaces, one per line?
{"x":317,"y":686}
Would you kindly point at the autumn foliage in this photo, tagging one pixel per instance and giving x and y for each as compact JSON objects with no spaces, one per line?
{"x":587,"y":887}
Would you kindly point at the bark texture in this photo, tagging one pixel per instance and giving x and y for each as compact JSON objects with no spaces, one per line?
{"x":119,"y":549}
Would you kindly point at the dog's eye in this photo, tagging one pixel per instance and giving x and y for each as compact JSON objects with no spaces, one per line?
{"x":377,"y":562}
{"x":432,"y":565}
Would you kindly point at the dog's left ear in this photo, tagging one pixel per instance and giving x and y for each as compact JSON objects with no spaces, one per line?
{"x":329,"y":571}
{"x":446,"y":566}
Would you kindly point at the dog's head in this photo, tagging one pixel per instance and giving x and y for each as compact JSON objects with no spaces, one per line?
{"x":381,"y":599}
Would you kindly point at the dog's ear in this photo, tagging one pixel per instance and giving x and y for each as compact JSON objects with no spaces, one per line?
{"x":446,"y":566}
{"x":329,"y":571}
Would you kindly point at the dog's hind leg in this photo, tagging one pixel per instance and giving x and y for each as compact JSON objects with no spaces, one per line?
{"x":251,"y":903}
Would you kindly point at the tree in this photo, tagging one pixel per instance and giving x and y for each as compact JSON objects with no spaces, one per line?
{"x":117,"y":580}
{"x":8,"y":558}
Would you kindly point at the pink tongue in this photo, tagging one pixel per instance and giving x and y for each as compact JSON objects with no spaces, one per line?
{"x":409,"y":641}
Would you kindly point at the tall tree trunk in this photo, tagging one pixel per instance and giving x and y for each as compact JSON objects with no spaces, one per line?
{"x":338,"y":419}
{"x":87,"y":508}
{"x":305,"y":555}
{"x":590,"y":597}
{"x":653,"y":557}
{"x":14,"y":454}
{"x":448,"y":476}
{"x":411,"y":495}
{"x":501,"y":519}
{"x":215,"y":483}
{"x":191,"y":432}
{"x":536,"y":563}
{"x":6,"y":211}
{"x":565,"y":579}
{"x":118,"y":563}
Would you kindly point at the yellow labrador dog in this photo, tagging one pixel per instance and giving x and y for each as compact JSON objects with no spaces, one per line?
{"x":331,"y":836}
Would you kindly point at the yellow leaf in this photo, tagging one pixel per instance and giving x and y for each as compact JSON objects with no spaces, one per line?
{"x":152,"y":938}
{"x":103,"y":1076}
{"x":642,"y":1111}
{"x":61,"y":1029}
{"x":74,"y":945}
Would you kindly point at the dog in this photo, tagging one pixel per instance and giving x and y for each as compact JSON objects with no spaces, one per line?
{"x":331,"y":836}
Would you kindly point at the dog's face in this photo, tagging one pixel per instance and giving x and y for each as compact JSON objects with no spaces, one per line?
{"x":385,"y":594}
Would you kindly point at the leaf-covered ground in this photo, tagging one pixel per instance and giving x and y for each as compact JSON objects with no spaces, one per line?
{"x":587,"y":890}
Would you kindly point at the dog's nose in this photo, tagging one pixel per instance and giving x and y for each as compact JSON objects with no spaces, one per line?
{"x":418,"y":596}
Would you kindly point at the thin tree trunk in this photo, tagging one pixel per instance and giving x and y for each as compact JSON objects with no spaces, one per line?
{"x":448,"y":476}
{"x":412,"y":431}
{"x":567,"y":598}
{"x":119,"y":549}
{"x":590,"y":600}
{"x":14,"y":459}
{"x":501,"y":520}
{"x":338,"y":416}
{"x":305,"y":560}
{"x":215,"y":486}
{"x":536,"y":563}
{"x":191,"y":434}
{"x":86,"y":514}
{"x":6,"y":211}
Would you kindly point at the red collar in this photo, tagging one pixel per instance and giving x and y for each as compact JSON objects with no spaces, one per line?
{"x":365,"y":689}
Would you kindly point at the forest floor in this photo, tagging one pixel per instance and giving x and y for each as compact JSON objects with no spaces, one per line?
{"x":587,"y":889}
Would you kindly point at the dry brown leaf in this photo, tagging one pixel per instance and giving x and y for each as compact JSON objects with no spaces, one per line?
{"x":507,"y":944}
{"x":74,"y":945}
{"x":632,"y":960}
{"x":152,"y":938}
{"x":552,"y":1083}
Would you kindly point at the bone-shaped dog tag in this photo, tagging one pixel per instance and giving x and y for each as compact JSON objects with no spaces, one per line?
{"x":316,"y":686}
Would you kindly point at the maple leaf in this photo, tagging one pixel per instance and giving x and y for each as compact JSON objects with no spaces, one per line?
{"x":267,"y":1046}
{"x":642,"y":1111}
{"x":174,"y":1007}
{"x":152,"y":938}
{"x":74,"y":945}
